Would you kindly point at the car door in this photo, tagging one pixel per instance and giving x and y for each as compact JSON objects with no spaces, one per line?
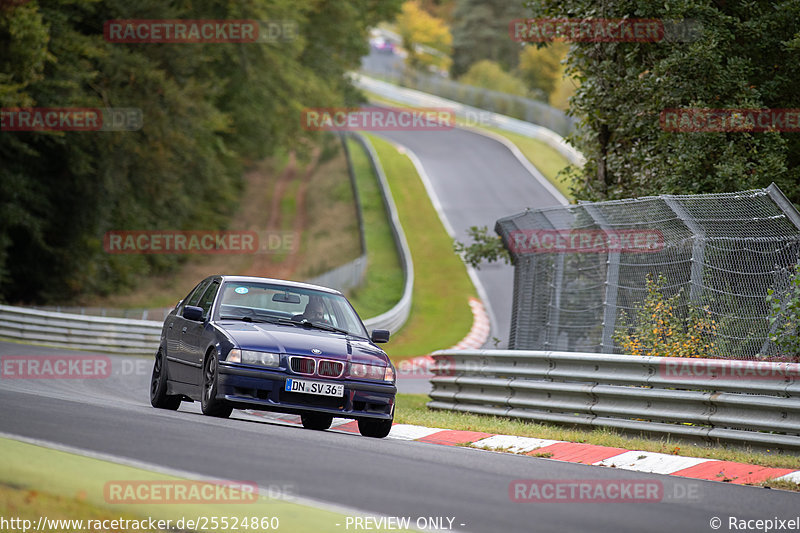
{"x":199,"y":334}
{"x":179,"y":368}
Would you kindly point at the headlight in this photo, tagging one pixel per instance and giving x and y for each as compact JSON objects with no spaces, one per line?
{"x":363,"y":371}
{"x":249,"y":357}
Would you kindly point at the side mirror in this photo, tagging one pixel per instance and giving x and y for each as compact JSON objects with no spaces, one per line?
{"x":380,"y":335}
{"x":191,"y":312}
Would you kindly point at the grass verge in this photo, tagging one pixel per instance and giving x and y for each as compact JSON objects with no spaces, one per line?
{"x":411,"y":409}
{"x":440,"y":314}
{"x":382,"y":287}
{"x":541,"y":155}
{"x":40,"y":482}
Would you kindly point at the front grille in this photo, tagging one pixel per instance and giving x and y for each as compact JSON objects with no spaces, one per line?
{"x":330,"y":369}
{"x":303,"y":365}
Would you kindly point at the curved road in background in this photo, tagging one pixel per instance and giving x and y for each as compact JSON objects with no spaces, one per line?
{"x":477,"y":180}
{"x":391,"y":476}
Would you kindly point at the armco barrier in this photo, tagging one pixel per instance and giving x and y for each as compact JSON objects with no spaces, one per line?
{"x":92,"y":333}
{"x":713,"y":400}
{"x":513,"y":125}
{"x":394,"y":318}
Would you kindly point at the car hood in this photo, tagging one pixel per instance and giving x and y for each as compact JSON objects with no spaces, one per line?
{"x":301,"y":340}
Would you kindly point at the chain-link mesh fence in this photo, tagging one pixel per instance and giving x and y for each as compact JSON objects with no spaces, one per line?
{"x":714,"y":255}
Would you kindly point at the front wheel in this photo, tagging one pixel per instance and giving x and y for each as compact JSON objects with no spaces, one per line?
{"x":158,"y":386}
{"x":370,"y":427}
{"x":316,"y":421}
{"x":209,"y":403}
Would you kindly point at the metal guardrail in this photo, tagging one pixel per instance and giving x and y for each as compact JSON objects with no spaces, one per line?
{"x":343,"y":277}
{"x":394,"y":318}
{"x":350,"y":274}
{"x":742,"y":402}
{"x":92,"y":333}
{"x":531,"y":110}
{"x":486,"y":118}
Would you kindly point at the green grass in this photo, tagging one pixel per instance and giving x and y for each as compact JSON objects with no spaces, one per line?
{"x":382,"y":287}
{"x":411,"y":409}
{"x":440,"y":313}
{"x":40,"y":482}
{"x":541,"y":155}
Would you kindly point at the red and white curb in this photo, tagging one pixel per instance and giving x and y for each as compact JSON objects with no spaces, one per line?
{"x":638,"y":461}
{"x":572,"y":452}
{"x":481,"y":327}
{"x":421,"y":366}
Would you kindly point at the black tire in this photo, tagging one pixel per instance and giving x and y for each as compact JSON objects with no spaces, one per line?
{"x":209,"y":403}
{"x":318,"y":421}
{"x":158,"y":386}
{"x":371,"y":427}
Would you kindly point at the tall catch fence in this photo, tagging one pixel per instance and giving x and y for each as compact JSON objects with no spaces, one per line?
{"x":719,"y":253}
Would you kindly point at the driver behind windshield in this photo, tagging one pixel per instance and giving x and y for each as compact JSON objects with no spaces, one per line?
{"x":314,"y":311}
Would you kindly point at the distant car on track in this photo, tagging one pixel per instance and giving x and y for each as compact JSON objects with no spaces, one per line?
{"x":266,"y":344}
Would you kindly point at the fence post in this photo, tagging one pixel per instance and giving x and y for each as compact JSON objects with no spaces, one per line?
{"x":612,"y":283}
{"x":698,"y":247}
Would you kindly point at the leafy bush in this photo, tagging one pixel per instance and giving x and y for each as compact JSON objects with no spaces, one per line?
{"x":785,"y":318}
{"x":659,"y":328}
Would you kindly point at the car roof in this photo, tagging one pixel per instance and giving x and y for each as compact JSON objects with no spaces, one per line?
{"x":287,"y":283}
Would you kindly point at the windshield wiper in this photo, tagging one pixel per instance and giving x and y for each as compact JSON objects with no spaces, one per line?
{"x":244,"y":318}
{"x":320,"y":325}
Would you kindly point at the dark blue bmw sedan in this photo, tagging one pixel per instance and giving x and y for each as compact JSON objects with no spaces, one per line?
{"x":267,"y":344}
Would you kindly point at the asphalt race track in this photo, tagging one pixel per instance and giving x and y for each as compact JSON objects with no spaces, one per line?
{"x":390,"y":477}
{"x":477,"y":180}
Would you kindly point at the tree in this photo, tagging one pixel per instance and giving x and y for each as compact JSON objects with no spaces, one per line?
{"x":746,"y":56}
{"x":480,"y":31}
{"x":541,"y":68}
{"x":490,"y":75}
{"x":208,"y":109}
{"x":426,"y":38}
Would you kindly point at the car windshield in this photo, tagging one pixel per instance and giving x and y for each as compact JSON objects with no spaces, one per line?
{"x":267,"y":301}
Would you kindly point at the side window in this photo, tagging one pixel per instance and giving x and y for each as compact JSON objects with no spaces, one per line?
{"x":194,"y":296}
{"x":208,"y":299}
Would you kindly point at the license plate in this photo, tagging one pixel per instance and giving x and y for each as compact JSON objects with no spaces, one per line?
{"x":314,"y":387}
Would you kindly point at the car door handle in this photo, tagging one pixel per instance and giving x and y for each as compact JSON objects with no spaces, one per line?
{"x":183,"y":330}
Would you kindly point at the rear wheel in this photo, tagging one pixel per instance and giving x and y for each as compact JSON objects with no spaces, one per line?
{"x":209,"y":403}
{"x":158,"y":386}
{"x":316,"y":421}
{"x":370,"y":427}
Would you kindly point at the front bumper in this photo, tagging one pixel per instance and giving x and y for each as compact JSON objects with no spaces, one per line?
{"x":263,"y":389}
